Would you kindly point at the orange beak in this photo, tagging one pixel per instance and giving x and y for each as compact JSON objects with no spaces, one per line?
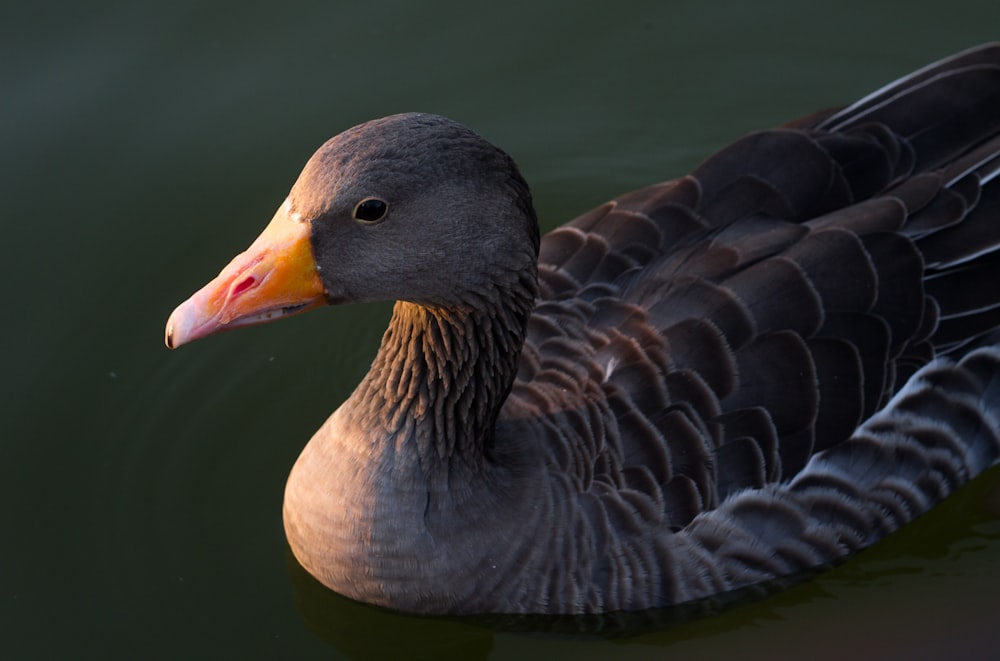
{"x":276,"y":277}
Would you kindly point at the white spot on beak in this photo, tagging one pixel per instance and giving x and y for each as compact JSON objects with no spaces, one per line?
{"x":286,"y":206}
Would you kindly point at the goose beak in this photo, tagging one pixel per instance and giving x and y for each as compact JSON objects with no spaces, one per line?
{"x":276,"y":277}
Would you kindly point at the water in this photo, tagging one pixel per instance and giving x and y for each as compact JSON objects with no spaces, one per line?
{"x":143,"y":144}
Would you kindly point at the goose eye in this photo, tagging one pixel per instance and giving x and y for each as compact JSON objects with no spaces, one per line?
{"x":370,"y":210}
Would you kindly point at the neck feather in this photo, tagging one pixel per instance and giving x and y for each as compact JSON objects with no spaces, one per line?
{"x":441,"y":376}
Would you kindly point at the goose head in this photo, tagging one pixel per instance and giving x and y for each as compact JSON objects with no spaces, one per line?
{"x":412,"y":207}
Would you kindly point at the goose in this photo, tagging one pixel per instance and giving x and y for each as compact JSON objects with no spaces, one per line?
{"x":706,"y":383}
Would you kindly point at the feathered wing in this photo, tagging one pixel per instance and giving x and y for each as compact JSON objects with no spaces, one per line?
{"x":731,"y":356}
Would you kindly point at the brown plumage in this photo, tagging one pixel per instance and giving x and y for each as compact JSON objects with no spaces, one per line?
{"x":703,"y":384}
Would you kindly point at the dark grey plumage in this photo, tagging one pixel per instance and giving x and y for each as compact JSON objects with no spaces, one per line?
{"x":712,"y":382}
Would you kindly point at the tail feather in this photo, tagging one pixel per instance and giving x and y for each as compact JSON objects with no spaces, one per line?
{"x":941,"y":429}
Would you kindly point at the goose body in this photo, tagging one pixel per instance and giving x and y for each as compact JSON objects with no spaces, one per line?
{"x":703,"y":384}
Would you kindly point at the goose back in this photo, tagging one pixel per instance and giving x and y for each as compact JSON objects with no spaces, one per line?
{"x":708,"y":354}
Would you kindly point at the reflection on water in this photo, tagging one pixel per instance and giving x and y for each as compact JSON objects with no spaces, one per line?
{"x":145,"y":144}
{"x":360,"y":631}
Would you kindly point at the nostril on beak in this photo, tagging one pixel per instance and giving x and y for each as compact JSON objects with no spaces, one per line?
{"x":243,"y":285}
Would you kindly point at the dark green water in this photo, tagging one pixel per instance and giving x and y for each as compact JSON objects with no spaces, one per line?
{"x":144,"y":144}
